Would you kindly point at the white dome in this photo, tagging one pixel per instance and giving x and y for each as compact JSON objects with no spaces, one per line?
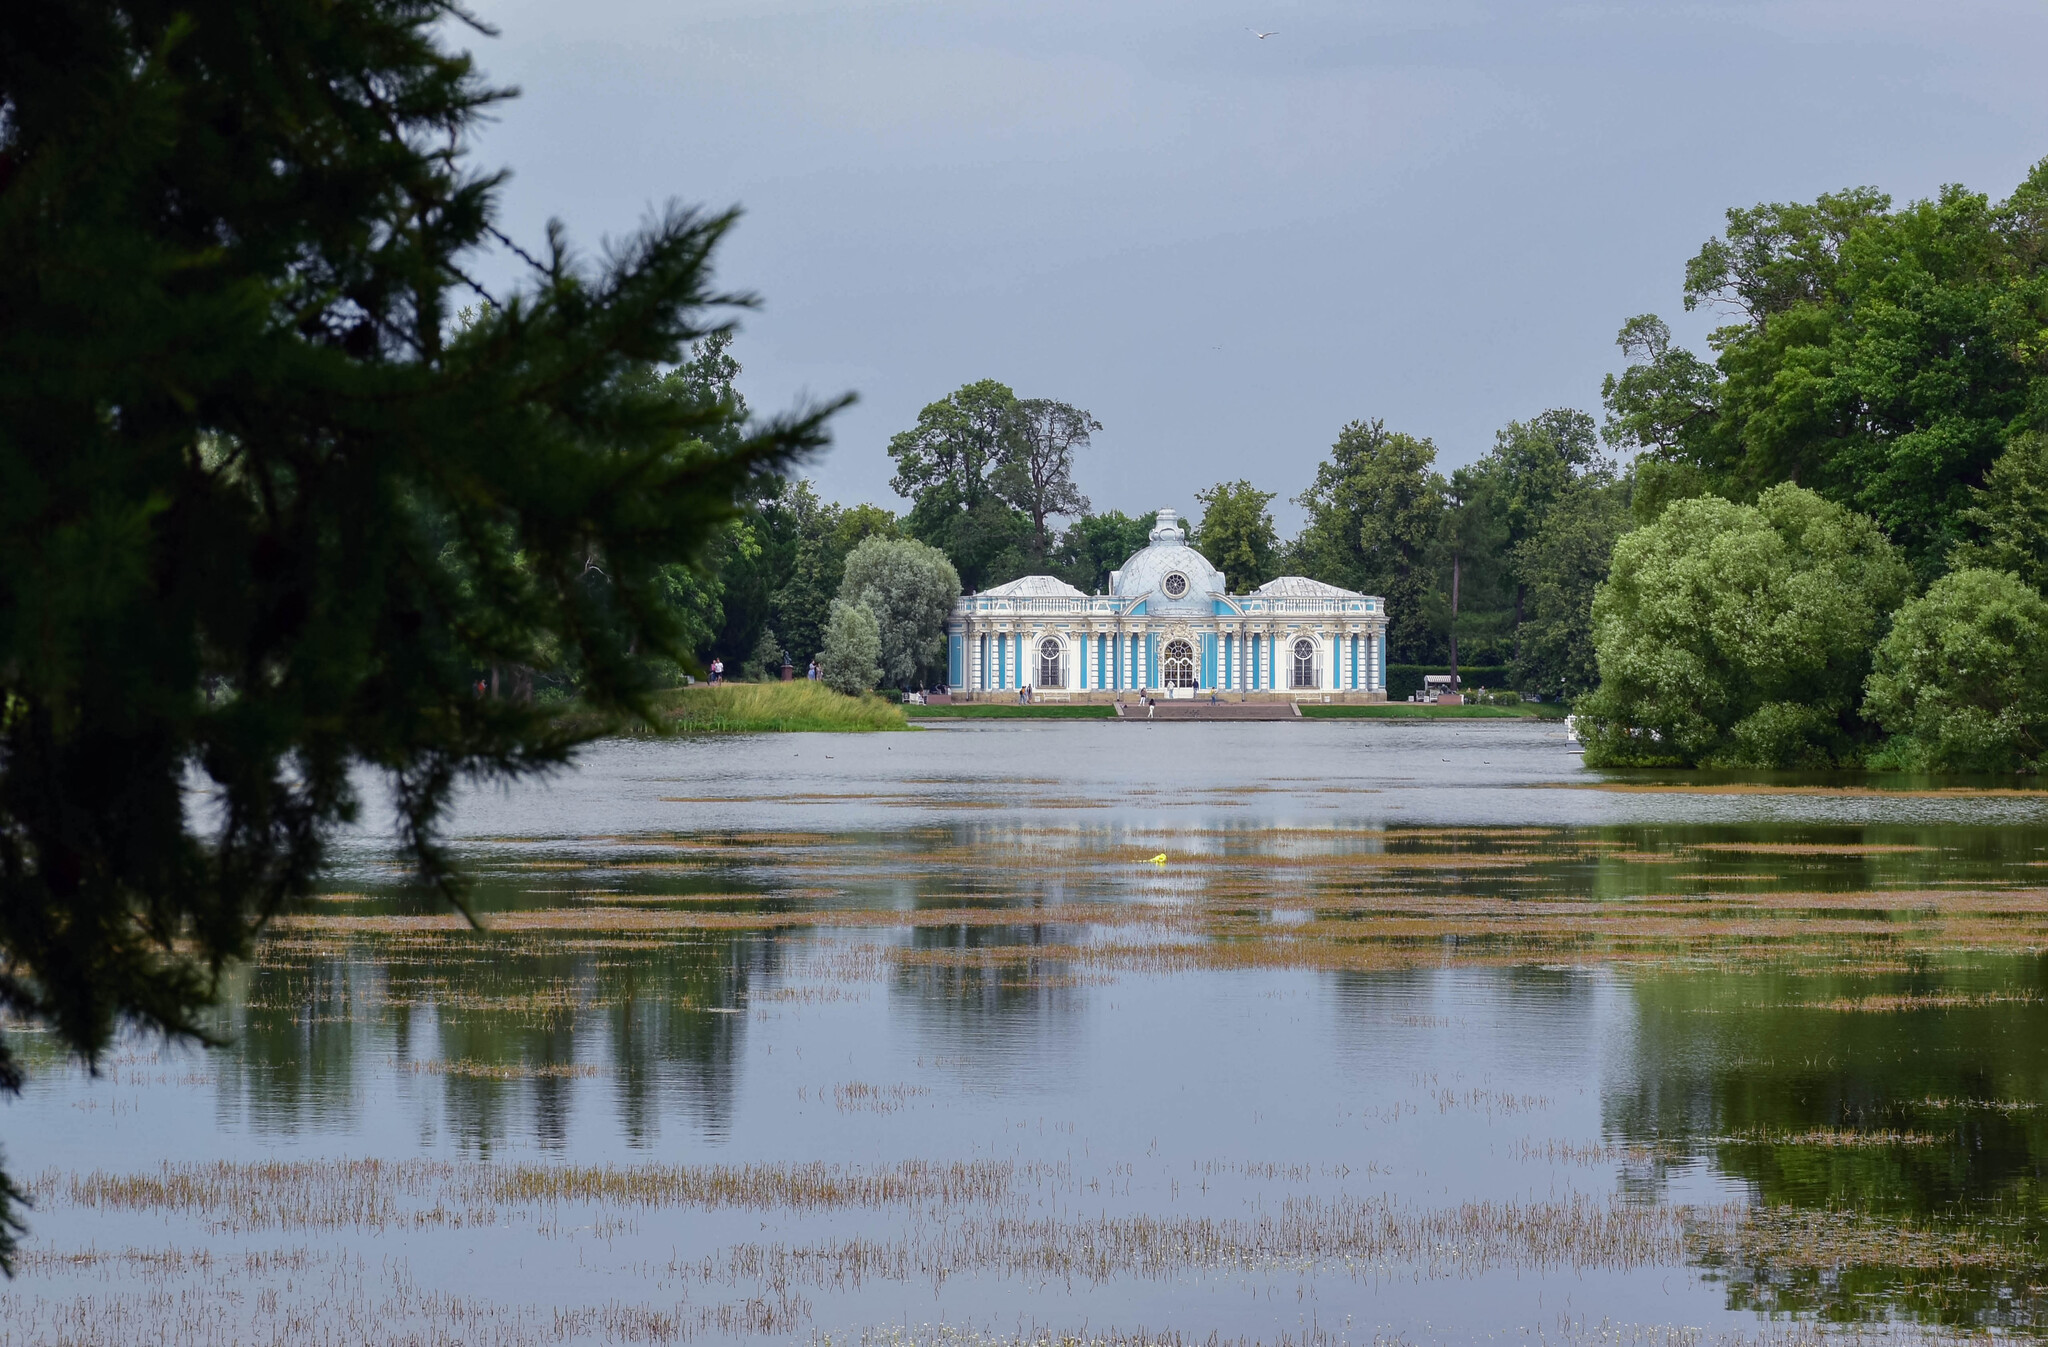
{"x":1036,"y":587}
{"x":1146,"y":573}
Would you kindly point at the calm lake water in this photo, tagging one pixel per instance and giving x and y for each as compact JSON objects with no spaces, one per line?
{"x":1037,"y":1031}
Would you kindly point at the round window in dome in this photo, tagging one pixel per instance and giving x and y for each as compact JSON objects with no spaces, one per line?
{"x":1175,"y":585}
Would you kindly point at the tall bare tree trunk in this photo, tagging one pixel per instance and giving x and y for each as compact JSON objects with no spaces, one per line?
{"x":1454,"y":620}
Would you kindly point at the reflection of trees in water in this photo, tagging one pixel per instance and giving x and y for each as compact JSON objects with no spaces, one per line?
{"x":668,"y":1037}
{"x":502,"y":1019}
{"x":984,"y":999}
{"x":296,"y":1031}
{"x":1739,"y":1066}
{"x":1520,"y":1017}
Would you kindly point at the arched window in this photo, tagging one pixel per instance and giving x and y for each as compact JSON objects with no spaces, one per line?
{"x":1049,"y":663}
{"x":1305,"y":663}
{"x":1180,"y":664}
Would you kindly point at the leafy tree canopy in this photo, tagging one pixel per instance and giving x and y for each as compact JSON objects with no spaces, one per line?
{"x":822,"y":534}
{"x":266,"y":512}
{"x":910,"y":588}
{"x":985,"y":472}
{"x":1560,"y":566}
{"x":1740,"y":635}
{"x":943,"y":467}
{"x":1962,"y":677}
{"x":1879,"y":356}
{"x":1237,"y":535}
{"x":1038,"y":475}
{"x":2009,"y":515}
{"x":1096,"y":544}
{"x":852,"y":659}
{"x":1374,"y":514}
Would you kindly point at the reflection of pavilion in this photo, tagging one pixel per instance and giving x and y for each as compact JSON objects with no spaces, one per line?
{"x":1169,"y":624}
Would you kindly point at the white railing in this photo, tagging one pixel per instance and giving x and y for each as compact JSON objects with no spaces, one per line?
{"x":1098,"y":607}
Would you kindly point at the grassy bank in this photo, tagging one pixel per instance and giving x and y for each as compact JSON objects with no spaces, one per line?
{"x":738,"y":708}
{"x":1412,"y":711}
{"x":755,"y":708}
{"x":999,"y":711}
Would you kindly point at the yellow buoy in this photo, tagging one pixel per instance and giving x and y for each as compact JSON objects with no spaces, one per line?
{"x":1160,"y":859}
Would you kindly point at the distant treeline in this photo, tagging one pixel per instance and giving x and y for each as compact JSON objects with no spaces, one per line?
{"x":1888,"y":366}
{"x":1493,"y":565}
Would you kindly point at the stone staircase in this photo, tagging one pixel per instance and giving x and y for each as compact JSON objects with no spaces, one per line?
{"x":1204,"y":710}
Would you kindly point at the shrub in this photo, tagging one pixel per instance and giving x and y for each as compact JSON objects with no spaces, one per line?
{"x":853,"y":649}
{"x":765,"y":664}
{"x":1740,"y":635}
{"x":1962,"y":679}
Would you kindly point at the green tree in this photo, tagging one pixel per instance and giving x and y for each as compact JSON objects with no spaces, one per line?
{"x":1962,"y":677}
{"x":1532,"y":466}
{"x":1880,"y":357}
{"x":1665,"y":404}
{"x":749,"y":560}
{"x":1560,"y":567}
{"x":1470,"y":586}
{"x":910,"y":588}
{"x":1097,"y":544}
{"x":1740,"y":635}
{"x":852,"y":658}
{"x":1374,"y":515}
{"x":943,"y":468}
{"x":266,"y":513}
{"x":1036,"y":475}
{"x":824,"y":533}
{"x":1237,"y":533}
{"x":2009,"y":515}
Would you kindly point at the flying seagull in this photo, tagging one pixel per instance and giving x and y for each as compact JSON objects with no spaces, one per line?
{"x":1262,"y":36}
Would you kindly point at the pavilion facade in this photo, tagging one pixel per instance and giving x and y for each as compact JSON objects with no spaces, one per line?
{"x":1169,"y":627}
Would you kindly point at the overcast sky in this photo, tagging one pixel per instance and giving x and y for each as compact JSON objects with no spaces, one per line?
{"x":1225,"y":247}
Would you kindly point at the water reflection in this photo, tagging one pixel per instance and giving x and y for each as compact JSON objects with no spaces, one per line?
{"x":491,"y":1026}
{"x":1912,"y":1099}
{"x":1786,"y":1035}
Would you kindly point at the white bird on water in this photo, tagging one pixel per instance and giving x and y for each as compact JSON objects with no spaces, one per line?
{"x":1262,"y":36}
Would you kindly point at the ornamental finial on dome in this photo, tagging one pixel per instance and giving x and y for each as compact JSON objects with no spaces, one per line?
{"x":1166,"y":528}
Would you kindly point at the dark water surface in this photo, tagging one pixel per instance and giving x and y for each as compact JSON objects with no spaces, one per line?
{"x":1417,"y":1032}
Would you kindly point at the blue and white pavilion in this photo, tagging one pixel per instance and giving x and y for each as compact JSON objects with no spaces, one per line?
{"x":1170,"y":627}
